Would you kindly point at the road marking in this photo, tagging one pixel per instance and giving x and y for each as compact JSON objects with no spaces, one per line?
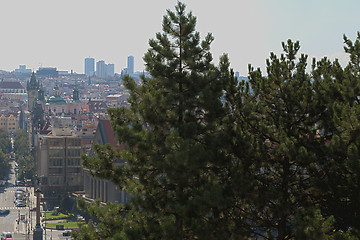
{"x":17,"y":208}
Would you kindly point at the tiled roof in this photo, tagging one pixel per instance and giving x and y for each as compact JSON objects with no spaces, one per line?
{"x":85,"y":108}
{"x":107,"y":133}
{"x":11,"y":85}
{"x":96,"y":106}
{"x":8,"y":114}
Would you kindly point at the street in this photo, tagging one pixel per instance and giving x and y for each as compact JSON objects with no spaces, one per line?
{"x":20,"y":221}
{"x":10,"y":222}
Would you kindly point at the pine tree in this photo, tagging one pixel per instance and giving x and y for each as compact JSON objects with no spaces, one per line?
{"x":174,"y":170}
{"x":338,"y":171}
{"x":208,"y":157}
{"x":279,"y":116}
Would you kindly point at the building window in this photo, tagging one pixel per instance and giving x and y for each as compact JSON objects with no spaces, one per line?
{"x":73,"y":161}
{"x":55,"y":161}
{"x":55,"y":170}
{"x":55,"y":180}
{"x":56,"y":153}
{"x":74,"y":152}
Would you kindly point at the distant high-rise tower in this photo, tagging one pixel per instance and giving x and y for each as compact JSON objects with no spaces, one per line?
{"x":89,"y":66}
{"x":101,"y":69}
{"x":130,"y":65}
{"x":110,"y":70}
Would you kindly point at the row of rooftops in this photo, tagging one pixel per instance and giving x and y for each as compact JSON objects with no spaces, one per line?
{"x":11,"y":85}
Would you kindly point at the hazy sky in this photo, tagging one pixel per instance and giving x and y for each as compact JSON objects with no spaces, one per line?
{"x":61,"y":33}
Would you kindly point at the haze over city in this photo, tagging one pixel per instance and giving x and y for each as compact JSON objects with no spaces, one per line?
{"x":95,"y":146}
{"x":62,"y":33}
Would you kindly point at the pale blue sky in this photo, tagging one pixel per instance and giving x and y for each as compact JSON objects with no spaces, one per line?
{"x":61,"y":33}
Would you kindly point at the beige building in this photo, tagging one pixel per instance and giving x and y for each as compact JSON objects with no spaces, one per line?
{"x":11,"y":87}
{"x":9,"y":122}
{"x":58,"y":164}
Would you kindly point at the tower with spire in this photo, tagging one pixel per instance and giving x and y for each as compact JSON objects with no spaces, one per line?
{"x":76,"y":95}
{"x":32,"y":91}
{"x":41,"y":93}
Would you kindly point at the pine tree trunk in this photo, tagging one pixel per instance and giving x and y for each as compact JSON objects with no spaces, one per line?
{"x":284,"y":212}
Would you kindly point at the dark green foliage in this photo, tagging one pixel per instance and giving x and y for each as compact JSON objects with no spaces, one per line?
{"x":208,"y":157}
{"x":339,"y":170}
{"x":5,"y":149}
{"x":277,"y":119}
{"x":4,"y":165}
{"x":23,"y":156}
{"x":177,"y":177}
{"x":21,"y":143}
{"x":309,"y":224}
{"x":5,"y":143}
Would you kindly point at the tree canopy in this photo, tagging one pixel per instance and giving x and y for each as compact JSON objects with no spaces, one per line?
{"x":210,"y":157}
{"x":23,"y":155}
{"x":5,"y":149}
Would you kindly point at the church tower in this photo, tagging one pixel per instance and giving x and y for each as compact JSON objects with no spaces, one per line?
{"x":41,"y":93}
{"x":32,"y":91}
{"x":76,"y":95}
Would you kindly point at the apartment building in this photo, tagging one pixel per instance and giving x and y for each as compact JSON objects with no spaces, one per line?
{"x":58,"y":164}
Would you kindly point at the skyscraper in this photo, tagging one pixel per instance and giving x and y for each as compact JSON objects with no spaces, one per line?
{"x":89,"y":66}
{"x":130,"y":65}
{"x":110,"y":70}
{"x":101,"y":69}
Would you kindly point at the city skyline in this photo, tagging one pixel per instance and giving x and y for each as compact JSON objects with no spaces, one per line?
{"x":62,"y":34}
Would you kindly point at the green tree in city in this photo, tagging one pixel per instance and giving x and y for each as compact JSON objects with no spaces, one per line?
{"x":208,"y":157}
{"x":5,"y":142}
{"x":337,"y":171}
{"x":174,"y":171}
{"x":23,"y":156}
{"x":277,"y":114}
{"x":5,"y":149}
{"x":286,"y":118}
{"x":4,"y":165}
{"x":21,"y":143}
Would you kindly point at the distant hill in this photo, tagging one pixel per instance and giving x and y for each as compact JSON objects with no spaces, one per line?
{"x":3,"y":71}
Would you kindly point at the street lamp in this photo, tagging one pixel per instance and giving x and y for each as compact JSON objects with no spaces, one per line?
{"x":38,"y":232}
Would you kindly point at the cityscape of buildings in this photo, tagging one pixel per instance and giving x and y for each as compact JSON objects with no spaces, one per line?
{"x":65,"y":114}
{"x":92,"y":68}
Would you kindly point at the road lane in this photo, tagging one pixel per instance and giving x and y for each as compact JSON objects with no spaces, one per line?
{"x":10,"y":222}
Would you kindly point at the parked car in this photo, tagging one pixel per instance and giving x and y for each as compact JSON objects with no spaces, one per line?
{"x":4,"y":211}
{"x":19,"y":183}
{"x":6,"y":235}
{"x":20,"y":203}
{"x":66,"y":233}
{"x":20,"y":194}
